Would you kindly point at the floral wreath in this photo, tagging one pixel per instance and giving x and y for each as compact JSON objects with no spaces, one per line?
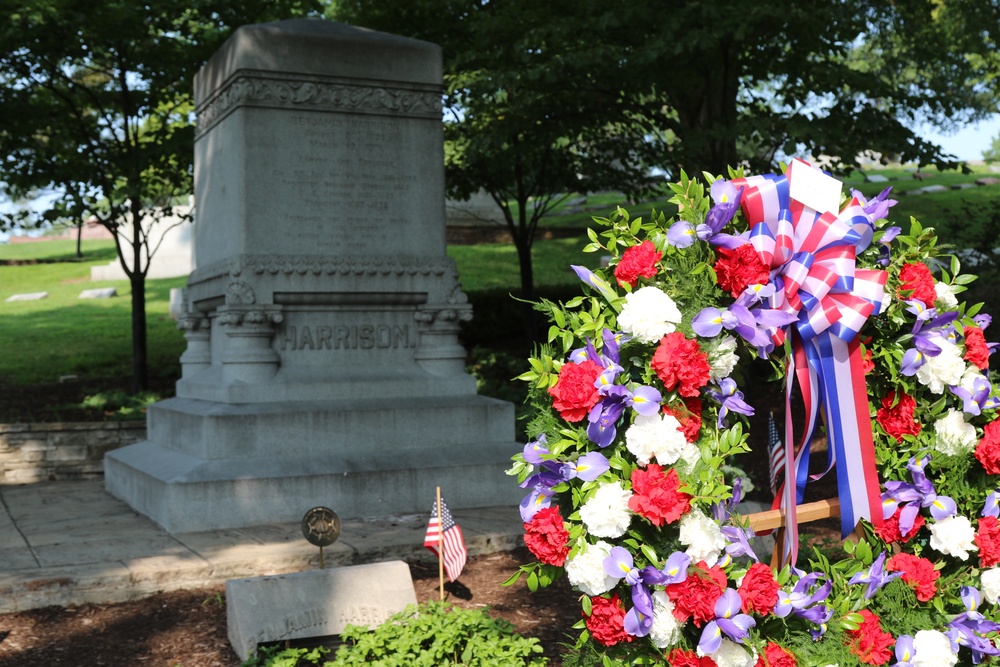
{"x":638,"y":412}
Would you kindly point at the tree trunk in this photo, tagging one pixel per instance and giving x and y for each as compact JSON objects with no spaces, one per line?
{"x":527,"y":270}
{"x":140,"y":375}
{"x":79,"y":237}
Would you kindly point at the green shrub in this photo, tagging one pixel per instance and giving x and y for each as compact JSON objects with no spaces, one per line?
{"x":431,"y":635}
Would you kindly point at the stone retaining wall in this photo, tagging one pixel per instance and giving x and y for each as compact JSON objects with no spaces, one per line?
{"x":71,"y":450}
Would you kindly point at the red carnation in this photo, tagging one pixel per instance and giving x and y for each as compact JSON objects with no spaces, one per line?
{"x":606,"y":622}
{"x":639,"y":261}
{"x":977,"y":352}
{"x":681,"y":364}
{"x":916,"y":282}
{"x":988,"y":449}
{"x":739,"y":268}
{"x":546,"y":537}
{"x":655,"y":495}
{"x":988,"y":539}
{"x":695,"y":597}
{"x":689,"y":416}
{"x":889,"y":530}
{"x":679,"y":657}
{"x":898,"y":420}
{"x":574,"y":393}
{"x":869,"y":642}
{"x":775,"y":656}
{"x":918,"y":573}
{"x":758,"y":590}
{"x":867,"y":364}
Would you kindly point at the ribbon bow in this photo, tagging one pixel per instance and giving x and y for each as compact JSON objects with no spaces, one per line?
{"x":812,"y":256}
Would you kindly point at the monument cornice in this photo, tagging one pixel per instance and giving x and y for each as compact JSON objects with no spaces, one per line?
{"x":244,"y":265}
{"x":260,"y":89}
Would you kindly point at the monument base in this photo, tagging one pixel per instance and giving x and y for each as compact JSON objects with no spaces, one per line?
{"x":212,"y":466}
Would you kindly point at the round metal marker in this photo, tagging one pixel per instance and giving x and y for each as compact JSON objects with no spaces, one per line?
{"x":321,"y":527}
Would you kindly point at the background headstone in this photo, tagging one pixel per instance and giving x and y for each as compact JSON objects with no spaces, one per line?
{"x":98,"y":293}
{"x":172,"y":236}
{"x":315,"y":603}
{"x":28,"y":296}
{"x":323,"y":364}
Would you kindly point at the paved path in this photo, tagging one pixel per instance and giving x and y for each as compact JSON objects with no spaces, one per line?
{"x":71,"y":542}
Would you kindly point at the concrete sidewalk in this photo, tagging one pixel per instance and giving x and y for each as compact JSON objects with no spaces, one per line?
{"x":70,"y":542}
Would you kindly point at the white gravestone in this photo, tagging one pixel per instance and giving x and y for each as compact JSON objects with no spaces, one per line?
{"x":323,"y":364}
{"x":316,"y":603}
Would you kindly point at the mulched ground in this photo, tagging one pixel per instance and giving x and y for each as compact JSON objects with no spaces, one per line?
{"x":188,"y":628}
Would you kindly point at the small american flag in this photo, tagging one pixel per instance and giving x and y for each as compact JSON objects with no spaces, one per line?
{"x":454,"y":553}
{"x":775,"y":454}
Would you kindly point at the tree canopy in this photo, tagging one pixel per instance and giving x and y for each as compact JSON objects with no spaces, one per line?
{"x":96,"y":106}
{"x":548,"y":98}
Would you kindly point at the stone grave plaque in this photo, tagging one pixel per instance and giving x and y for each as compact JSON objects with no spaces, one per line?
{"x":98,"y":293}
{"x":316,"y":603}
{"x":28,"y":296}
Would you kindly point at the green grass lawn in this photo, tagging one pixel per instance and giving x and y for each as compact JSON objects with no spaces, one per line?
{"x":65,"y":335}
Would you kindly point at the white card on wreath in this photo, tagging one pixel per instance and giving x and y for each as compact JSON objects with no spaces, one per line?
{"x":813,"y":188}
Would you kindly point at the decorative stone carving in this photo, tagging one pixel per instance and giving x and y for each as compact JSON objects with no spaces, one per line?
{"x":249,"y":356}
{"x":329,"y":95}
{"x":238,"y":292}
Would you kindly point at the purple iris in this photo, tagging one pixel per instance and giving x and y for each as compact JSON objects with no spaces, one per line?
{"x":884,"y":253}
{"x":992,"y":505}
{"x":878,"y":207}
{"x":589,"y":467}
{"x":682,"y":234}
{"x":755,"y":325}
{"x":911,"y":497}
{"x":979,"y":399}
{"x":620,"y":565}
{"x":967,"y":628}
{"x":731,"y":400}
{"x":539,"y":498}
{"x":595,"y":281}
{"x":738,"y":542}
{"x":904,"y":651}
{"x":927,"y":333}
{"x":728,"y":621}
{"x":876,"y":577}
{"x":534,"y":450}
{"x":804,"y":600}
{"x":727,"y":202}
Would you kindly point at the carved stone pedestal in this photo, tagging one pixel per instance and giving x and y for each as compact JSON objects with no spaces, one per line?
{"x":323,"y":363}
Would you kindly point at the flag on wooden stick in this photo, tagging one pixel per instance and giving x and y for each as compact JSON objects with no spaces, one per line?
{"x":775,"y":454}
{"x":443,"y":532}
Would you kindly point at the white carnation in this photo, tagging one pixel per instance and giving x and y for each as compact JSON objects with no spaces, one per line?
{"x":702,"y":536}
{"x":989,"y":582}
{"x":722,"y":357}
{"x":607,"y":514}
{"x":953,"y":537}
{"x":932,"y":649}
{"x":731,"y":654}
{"x":586,"y":569}
{"x":945,"y":369}
{"x":655,"y":436}
{"x":954,"y":435}
{"x":886,"y":301}
{"x":945,"y":295}
{"x":666,"y":630}
{"x":690,"y":456}
{"x":649,"y":314}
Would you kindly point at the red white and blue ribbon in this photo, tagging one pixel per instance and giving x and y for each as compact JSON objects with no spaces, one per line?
{"x":812,"y":257}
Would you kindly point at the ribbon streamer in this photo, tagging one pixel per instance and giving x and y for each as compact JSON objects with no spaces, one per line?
{"x":812,"y":257}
